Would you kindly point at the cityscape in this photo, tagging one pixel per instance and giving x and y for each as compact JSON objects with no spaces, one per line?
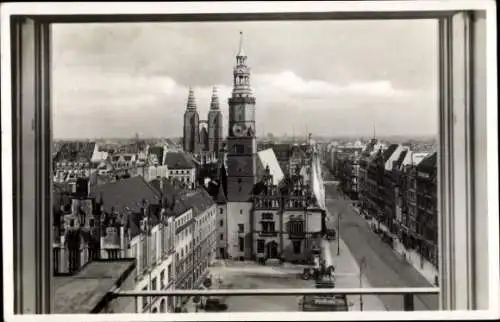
{"x":226,"y":205}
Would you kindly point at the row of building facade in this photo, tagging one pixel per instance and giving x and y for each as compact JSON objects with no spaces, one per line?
{"x":394,"y":185}
{"x":168,"y":229}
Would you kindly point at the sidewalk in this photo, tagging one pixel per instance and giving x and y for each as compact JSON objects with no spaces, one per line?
{"x":424,"y":267}
{"x":347,"y":276}
{"x":412,"y":257}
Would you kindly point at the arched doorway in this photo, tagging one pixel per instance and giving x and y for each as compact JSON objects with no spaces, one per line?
{"x":162,"y":306}
{"x":272,"y":249}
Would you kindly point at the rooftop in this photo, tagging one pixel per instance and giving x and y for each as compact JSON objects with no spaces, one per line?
{"x":75,"y":152}
{"x":178,"y":160}
{"x":267,"y":158}
{"x":428,"y":163}
{"x":85,"y":291}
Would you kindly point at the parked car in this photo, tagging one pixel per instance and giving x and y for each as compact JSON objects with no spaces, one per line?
{"x":215,"y":305}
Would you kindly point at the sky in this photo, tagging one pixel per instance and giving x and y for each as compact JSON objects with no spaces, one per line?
{"x":331,"y":78}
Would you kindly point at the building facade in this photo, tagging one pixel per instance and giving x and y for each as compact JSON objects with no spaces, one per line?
{"x":286,"y":219}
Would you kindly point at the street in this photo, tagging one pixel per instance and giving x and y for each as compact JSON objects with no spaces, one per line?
{"x":384,"y":268}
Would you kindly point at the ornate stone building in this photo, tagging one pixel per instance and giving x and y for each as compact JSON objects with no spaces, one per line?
{"x":265,"y":219}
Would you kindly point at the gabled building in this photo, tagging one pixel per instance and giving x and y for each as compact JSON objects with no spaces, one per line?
{"x":181,"y":167}
{"x":76,"y":159}
{"x":427,"y":212}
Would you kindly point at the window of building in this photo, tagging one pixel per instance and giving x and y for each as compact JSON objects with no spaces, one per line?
{"x":241,"y":244}
{"x":268,"y":226}
{"x":296,"y":246}
{"x":145,"y":299}
{"x":239,"y":149}
{"x":154,"y":283}
{"x":260,"y":246}
{"x":241,"y":228}
{"x":241,"y":211}
{"x":221,"y":236}
{"x":162,"y":280}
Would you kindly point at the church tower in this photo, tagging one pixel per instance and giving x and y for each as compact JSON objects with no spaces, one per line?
{"x":242,"y":148}
{"x":191,"y":138}
{"x":215,"y":133}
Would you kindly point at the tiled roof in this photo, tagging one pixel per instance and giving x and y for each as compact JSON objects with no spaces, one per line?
{"x":75,"y":152}
{"x":369,"y":147}
{"x":199,"y":200}
{"x":221,"y":196}
{"x":127,"y":196}
{"x":282,"y":151}
{"x":129,"y":192}
{"x":178,"y":160}
{"x":402,"y":156}
{"x":389,"y":151}
{"x":179,"y":200}
{"x":428,"y":163}
{"x":267,"y":158}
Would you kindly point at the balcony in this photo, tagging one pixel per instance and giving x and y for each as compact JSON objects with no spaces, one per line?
{"x":268,"y":233}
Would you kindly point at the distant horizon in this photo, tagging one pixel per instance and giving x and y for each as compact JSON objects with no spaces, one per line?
{"x":133,"y":137}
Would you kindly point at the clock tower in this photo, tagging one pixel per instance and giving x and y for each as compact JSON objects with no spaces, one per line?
{"x":242,"y":148}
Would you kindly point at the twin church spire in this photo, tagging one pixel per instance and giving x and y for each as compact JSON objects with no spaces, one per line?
{"x":241,"y":80}
{"x":207,"y":135}
{"x":191,"y":101}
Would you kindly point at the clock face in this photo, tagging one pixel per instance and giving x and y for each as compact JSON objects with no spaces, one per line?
{"x":238,"y":130}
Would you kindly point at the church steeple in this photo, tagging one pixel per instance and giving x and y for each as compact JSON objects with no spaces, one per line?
{"x":241,"y":157}
{"x":214,"y":104}
{"x":191,"y":137}
{"x":191,"y":103}
{"x":241,"y":74}
{"x":241,"y":51}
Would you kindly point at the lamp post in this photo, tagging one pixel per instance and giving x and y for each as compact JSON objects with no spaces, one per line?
{"x":362,"y":265}
{"x":338,"y":232}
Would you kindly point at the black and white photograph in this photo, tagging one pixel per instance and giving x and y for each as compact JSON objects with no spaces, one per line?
{"x":245,"y":160}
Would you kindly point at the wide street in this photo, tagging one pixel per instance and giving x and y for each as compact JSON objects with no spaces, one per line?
{"x":384,"y":267}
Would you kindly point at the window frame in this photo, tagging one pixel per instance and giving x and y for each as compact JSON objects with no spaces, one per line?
{"x":32,"y":124}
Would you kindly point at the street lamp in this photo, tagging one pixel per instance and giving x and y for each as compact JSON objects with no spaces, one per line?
{"x":362,"y":265}
{"x":338,"y":232}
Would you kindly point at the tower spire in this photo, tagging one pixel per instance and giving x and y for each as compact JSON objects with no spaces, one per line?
{"x":214,"y":104}
{"x":241,"y":52}
{"x":191,"y":103}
